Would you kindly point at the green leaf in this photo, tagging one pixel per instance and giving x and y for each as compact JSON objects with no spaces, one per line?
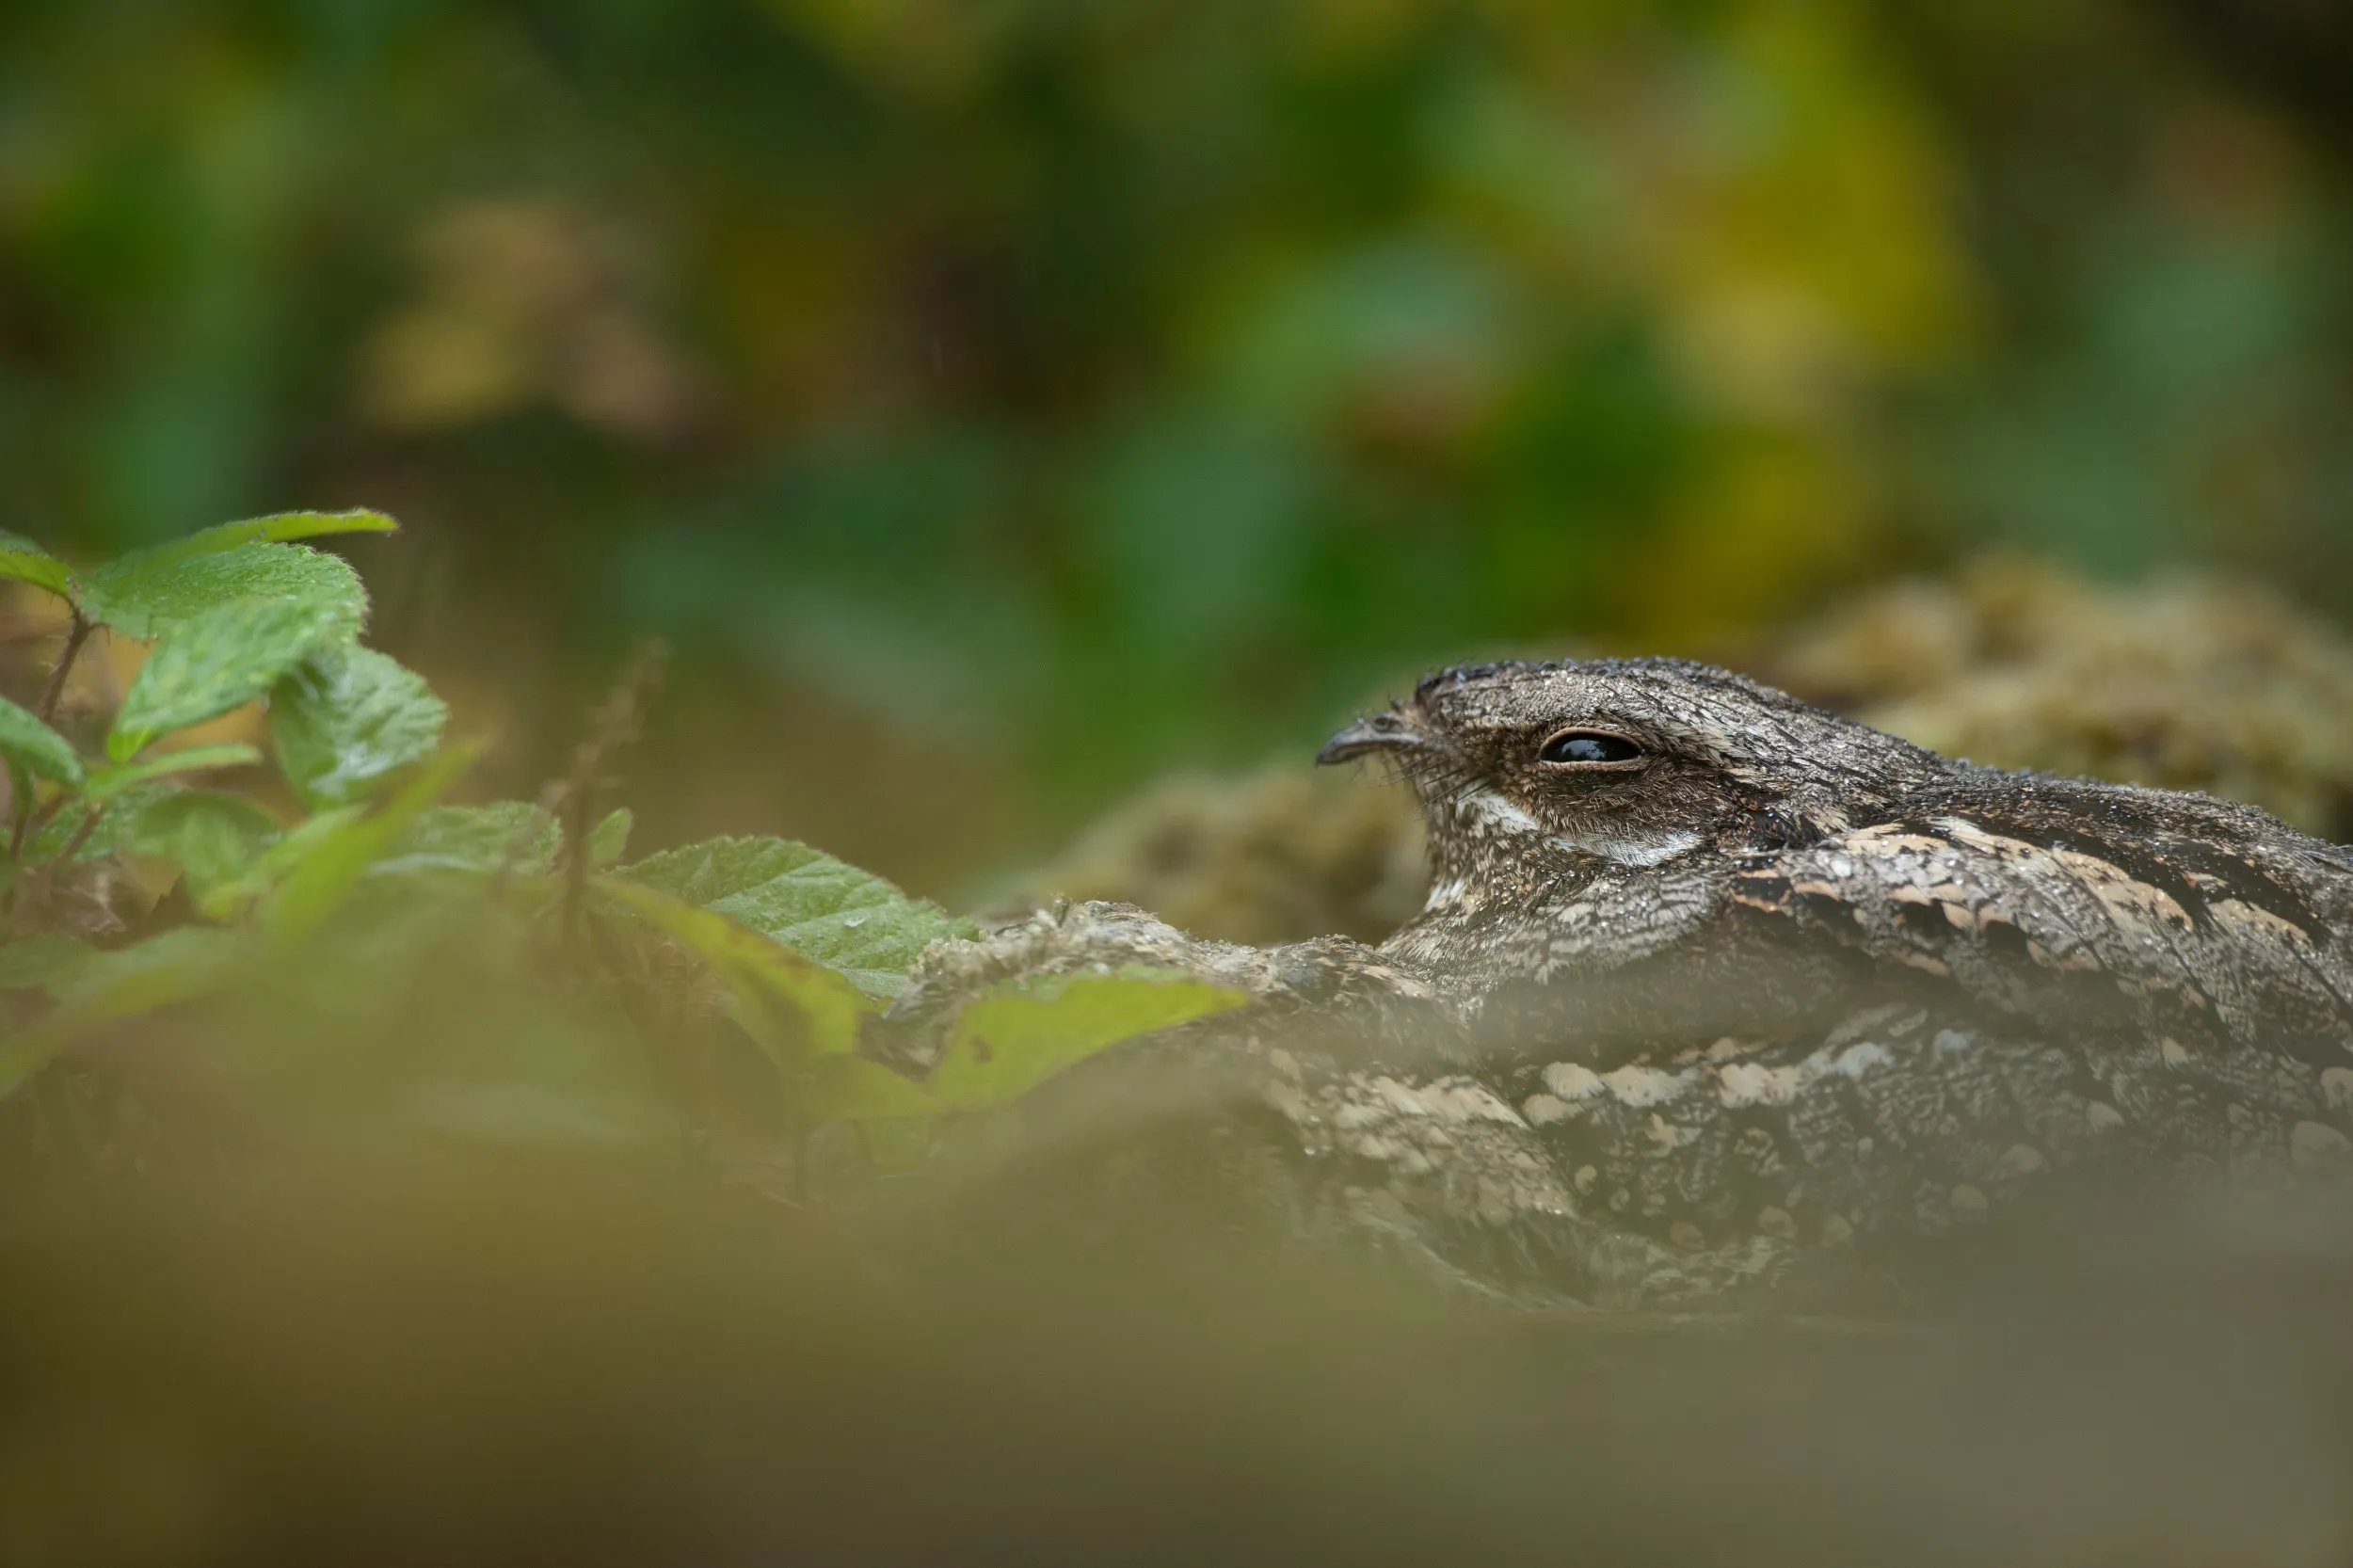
{"x":1013,"y":1038}
{"x":27,"y":741}
{"x":107,"y":782}
{"x":334,"y":864}
{"x":773,"y":987}
{"x":851,"y":1089}
{"x":811,"y":903}
{"x":149,"y":592}
{"x":215,"y":838}
{"x":277,"y":859}
{"x":117,"y":820}
{"x":46,"y":963}
{"x":212,"y":662}
{"x":276,"y":529}
{"x":346,"y":717}
{"x":511,"y":835}
{"x":179,"y":966}
{"x":26,"y":562}
{"x":609,"y":839}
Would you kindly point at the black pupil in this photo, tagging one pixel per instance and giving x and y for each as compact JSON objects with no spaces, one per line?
{"x":1589,"y":748}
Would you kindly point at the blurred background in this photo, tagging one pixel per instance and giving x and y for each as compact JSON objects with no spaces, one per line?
{"x":1001,"y":403}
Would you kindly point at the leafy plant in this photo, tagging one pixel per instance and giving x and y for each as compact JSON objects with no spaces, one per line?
{"x":297,"y":932}
{"x":842,"y":917}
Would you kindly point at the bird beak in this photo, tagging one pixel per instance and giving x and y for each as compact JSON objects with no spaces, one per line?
{"x":1380,"y":733}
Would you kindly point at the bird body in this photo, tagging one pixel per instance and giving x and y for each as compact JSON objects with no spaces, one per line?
{"x":1710,"y":981}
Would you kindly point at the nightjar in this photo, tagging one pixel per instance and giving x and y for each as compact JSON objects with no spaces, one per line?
{"x":1716,"y":992}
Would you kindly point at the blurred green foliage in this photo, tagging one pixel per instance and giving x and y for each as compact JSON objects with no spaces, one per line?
{"x":109,"y":868}
{"x":1055,"y":388}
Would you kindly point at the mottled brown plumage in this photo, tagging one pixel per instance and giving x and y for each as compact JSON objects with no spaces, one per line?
{"x":2198,"y":919}
{"x":1711,"y":983}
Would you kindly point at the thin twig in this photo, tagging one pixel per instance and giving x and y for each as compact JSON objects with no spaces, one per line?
{"x":81,"y":836}
{"x":32,"y":889}
{"x":571,"y":800}
{"x":35,"y":820}
{"x":55,"y":689}
{"x":616,"y":723}
{"x":21,"y":810}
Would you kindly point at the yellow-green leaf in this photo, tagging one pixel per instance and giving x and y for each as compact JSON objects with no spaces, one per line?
{"x":609,"y":839}
{"x":775,"y":989}
{"x":279,"y":527}
{"x":26,"y":562}
{"x":1013,"y":1038}
{"x":334,"y":864}
{"x":277,"y":858}
{"x":851,"y":1089}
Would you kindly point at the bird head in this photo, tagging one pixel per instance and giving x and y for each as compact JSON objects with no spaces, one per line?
{"x":1632,"y":761}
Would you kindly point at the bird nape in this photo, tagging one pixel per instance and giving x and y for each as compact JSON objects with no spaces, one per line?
{"x":1718,"y":998}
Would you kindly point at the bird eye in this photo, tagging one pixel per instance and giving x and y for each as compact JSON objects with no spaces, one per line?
{"x":1588,"y":745}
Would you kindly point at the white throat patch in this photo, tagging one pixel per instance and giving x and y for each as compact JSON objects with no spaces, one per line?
{"x":1632,"y":851}
{"x":1496,"y":811}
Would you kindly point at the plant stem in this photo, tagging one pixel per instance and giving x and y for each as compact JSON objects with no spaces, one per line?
{"x":55,"y":689}
{"x":32,"y":819}
{"x":572,"y":800}
{"x":33,"y":822}
{"x":19,"y":808}
{"x":50,"y":696}
{"x":579,"y":807}
{"x":81,"y":836}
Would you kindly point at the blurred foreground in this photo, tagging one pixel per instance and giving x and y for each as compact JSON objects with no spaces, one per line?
{"x":448,"y":1359}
